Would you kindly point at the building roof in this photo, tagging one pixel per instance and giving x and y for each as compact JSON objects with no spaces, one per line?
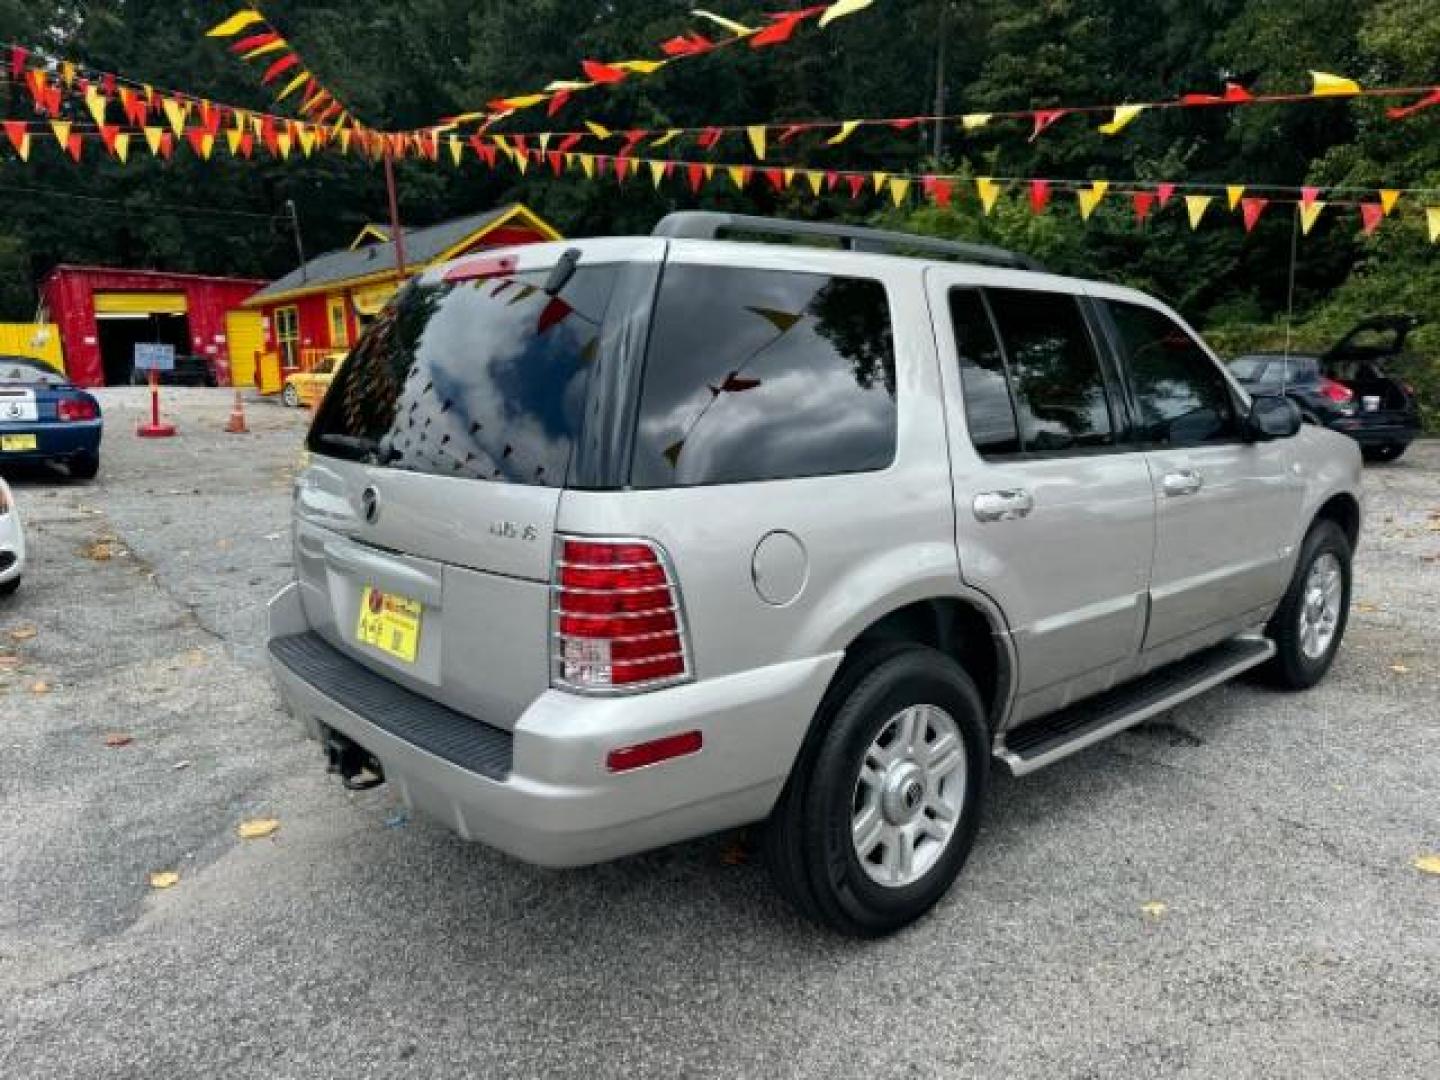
{"x":422,"y":247}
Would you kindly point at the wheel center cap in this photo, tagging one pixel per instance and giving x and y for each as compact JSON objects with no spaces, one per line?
{"x":904,"y":793}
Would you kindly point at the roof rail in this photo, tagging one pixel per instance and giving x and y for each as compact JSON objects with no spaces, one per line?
{"x":711,"y":225}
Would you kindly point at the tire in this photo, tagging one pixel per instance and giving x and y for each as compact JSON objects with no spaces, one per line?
{"x":1297,"y":665}
{"x":856,"y":769}
{"x":1384,"y":453}
{"x":9,"y":588}
{"x":84,"y":466}
{"x":290,"y":396}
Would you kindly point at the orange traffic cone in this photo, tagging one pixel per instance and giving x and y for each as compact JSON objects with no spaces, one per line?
{"x":236,"y":424}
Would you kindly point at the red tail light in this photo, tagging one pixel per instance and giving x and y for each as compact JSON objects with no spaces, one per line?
{"x":617,"y":619}
{"x":1336,"y":392}
{"x":77,"y":409}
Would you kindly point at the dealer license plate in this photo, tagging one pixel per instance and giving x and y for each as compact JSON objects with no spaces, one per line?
{"x":390,"y":623}
{"x":14,"y":444}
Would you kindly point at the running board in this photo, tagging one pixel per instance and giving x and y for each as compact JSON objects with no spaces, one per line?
{"x":1047,"y":740}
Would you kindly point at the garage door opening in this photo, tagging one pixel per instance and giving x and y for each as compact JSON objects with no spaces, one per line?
{"x":119,"y":334}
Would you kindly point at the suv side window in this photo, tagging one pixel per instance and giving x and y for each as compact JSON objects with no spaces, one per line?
{"x":1182,"y":397}
{"x":989,"y":407}
{"x":764,"y":375}
{"x":1059,"y":388}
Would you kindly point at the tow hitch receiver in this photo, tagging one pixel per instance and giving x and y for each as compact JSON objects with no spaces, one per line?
{"x":357,"y":767}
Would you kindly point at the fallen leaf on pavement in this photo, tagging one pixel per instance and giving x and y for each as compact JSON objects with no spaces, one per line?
{"x":23,"y":633}
{"x":1428,"y":864}
{"x":118,"y":740}
{"x":40,"y":688}
{"x":164,"y":879}
{"x":1400,"y":669}
{"x":1368,"y":609}
{"x":258,"y":829}
{"x":99,"y":551}
{"x":9,"y":662}
{"x":1155,"y":909}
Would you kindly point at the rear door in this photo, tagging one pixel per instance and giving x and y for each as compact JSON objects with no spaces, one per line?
{"x":1054,"y":515}
{"x":425,"y":520}
{"x":1226,"y":507}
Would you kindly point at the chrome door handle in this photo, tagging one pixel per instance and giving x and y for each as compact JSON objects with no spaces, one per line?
{"x":1183,"y":482}
{"x":1003,"y":505}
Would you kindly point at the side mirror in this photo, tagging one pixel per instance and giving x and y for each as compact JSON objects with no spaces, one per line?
{"x":1272,"y":416}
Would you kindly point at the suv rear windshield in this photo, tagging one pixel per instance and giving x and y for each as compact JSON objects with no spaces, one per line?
{"x":764,"y":375}
{"x":483,"y":379}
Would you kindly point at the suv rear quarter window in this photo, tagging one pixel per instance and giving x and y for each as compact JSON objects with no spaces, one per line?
{"x":761,"y":375}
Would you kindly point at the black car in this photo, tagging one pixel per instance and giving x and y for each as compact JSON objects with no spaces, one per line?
{"x":1347,"y":389}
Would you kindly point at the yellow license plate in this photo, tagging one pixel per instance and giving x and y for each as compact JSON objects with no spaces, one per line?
{"x":16,"y":443}
{"x":390,"y":623}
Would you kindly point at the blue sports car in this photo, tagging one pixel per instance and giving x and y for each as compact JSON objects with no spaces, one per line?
{"x":43,"y":418}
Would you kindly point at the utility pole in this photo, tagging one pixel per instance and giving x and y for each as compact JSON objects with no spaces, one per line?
{"x":299,"y":245}
{"x":397,"y":232}
{"x":942,"y":35}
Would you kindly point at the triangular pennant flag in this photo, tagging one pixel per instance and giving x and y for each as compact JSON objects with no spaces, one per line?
{"x":1124,"y":115}
{"x":176,"y":113}
{"x":201,"y":141}
{"x":1432,"y":218}
{"x":740,"y":175}
{"x":1371,"y":215}
{"x":122,"y":147}
{"x":1250,"y":210}
{"x":816,"y":181}
{"x":669,"y":137}
{"x":846,"y":130}
{"x":18,"y":56}
{"x":61,"y":128}
{"x":237,"y":22}
{"x":75,"y":145}
{"x":1309,"y":215}
{"x":1308,"y":195}
{"x":1090,"y":197}
{"x":1144,"y":202}
{"x":842,"y":8}
{"x":587,"y":165}
{"x":108,"y":134}
{"x":284,"y":142}
{"x":600,"y":131}
{"x":457,"y":149}
{"x":975,"y":121}
{"x":696,"y":176}
{"x":306,"y":136}
{"x":1196,"y":205}
{"x":756,"y":135}
{"x":604,"y":74}
{"x":232,"y":140}
{"x":1327,"y":85}
{"x":1039,"y":196}
{"x":856,"y":182}
{"x":167,"y":145}
{"x":710,"y":137}
{"x":1402,"y":112}
{"x":781,"y":29}
{"x":989,"y":192}
{"x":19,"y":136}
{"x":899,"y":190}
{"x":293,"y":85}
{"x":657,"y":172}
{"x":152,"y":139}
{"x":1234,"y":193}
{"x":881,"y":180}
{"x":1043,"y":119}
{"x":790,"y":177}
{"x":776,"y":178}
{"x":1164,"y":193}
{"x":96,"y":103}
{"x":1388,"y":198}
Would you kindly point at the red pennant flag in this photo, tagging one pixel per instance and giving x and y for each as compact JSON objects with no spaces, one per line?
{"x":781,"y":28}
{"x":691,"y":44}
{"x":832,"y":180}
{"x":18,"y":132}
{"x":1371,"y":215}
{"x":1308,"y":195}
{"x":76,"y":146}
{"x":254,"y":41}
{"x":1144,"y":203}
{"x":1403,"y":112}
{"x":489,"y":153}
{"x":942,"y":192}
{"x":1251,"y":209}
{"x":1236,"y":94}
{"x":697,"y":177}
{"x":1043,"y":119}
{"x":906,"y":124}
{"x":278,"y":68}
{"x":268,"y":136}
{"x":709,"y":137}
{"x":1039,"y":196}
{"x":521,"y":144}
{"x":107,"y":84}
{"x":195,"y":136}
{"x":857,"y":184}
{"x":1165,"y":192}
{"x":603,"y":73}
{"x":108,"y":134}
{"x":569,"y":143}
{"x":631,"y":139}
{"x":167,"y":145}
{"x":210,"y":117}
{"x":247,"y":144}
{"x":557,"y":162}
{"x":791,"y":131}
{"x":602,"y":165}
{"x":776,"y":178}
{"x":622,"y":168}
{"x":558,"y":102}
{"x":18,"y":56}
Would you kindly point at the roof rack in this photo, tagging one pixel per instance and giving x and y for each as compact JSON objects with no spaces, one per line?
{"x":710,"y":225}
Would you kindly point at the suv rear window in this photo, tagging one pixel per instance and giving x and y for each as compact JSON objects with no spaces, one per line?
{"x":764,"y":375}
{"x":484,"y":379}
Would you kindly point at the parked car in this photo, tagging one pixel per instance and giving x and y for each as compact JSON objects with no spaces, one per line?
{"x":189,"y":371}
{"x":43,"y":418}
{"x":1348,"y":389}
{"x":308,"y":388}
{"x":606,"y":545}
{"x":12,"y":542}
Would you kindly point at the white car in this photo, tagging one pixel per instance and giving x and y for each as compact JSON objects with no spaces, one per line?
{"x":12,"y":542}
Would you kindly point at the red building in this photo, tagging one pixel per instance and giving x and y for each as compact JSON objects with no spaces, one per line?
{"x":323,"y":305}
{"x":104,"y":313}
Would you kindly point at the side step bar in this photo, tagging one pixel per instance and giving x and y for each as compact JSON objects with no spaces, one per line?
{"x":1049,"y":739}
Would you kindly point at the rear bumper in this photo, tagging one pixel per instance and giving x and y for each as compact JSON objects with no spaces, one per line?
{"x":1378,"y":432}
{"x":55,"y":442}
{"x":550,"y":800}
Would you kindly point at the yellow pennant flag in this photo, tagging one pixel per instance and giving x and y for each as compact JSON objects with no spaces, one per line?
{"x":1388,"y":198}
{"x":842,"y":8}
{"x":524,"y":101}
{"x":880,"y":179}
{"x":587,"y":165}
{"x":522,"y":161}
{"x":278,"y":45}
{"x":207,"y":145}
{"x":657,"y":172}
{"x":67,"y":73}
{"x":283,"y":143}
{"x":1124,"y":116}
{"x":1195,"y":206}
{"x":975,"y":121}
{"x":96,"y":103}
{"x":1234,"y":193}
{"x":1309,"y":215}
{"x":307,"y":140}
{"x":666,"y":139}
{"x":641,"y":67}
{"x":738,"y":29}
{"x":757,"y":140}
{"x":61,"y":128}
{"x":899,"y":190}
{"x":789,"y":177}
{"x":23,"y":147}
{"x":1432,"y":218}
{"x":816,"y":181}
{"x":737,"y":176}
{"x":153,"y":135}
{"x":544,"y":139}
{"x":846,"y":130}
{"x":293,"y":85}
{"x":457,"y":149}
{"x":345,"y":134}
{"x":241,"y":119}
{"x":237,"y":22}
{"x":709,"y":171}
{"x":176,"y":113}
{"x":232,"y":139}
{"x":1327,"y":85}
{"x":1090,"y":198}
{"x":989,"y":192}
{"x":122,"y":147}
{"x":600,"y":131}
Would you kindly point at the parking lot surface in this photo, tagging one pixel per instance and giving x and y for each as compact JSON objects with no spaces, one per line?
{"x":1230,"y":891}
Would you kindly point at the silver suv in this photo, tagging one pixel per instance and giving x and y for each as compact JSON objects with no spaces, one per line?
{"x":606,"y":545}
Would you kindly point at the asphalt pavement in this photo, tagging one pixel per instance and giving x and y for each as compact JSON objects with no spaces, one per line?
{"x":1230,"y":891}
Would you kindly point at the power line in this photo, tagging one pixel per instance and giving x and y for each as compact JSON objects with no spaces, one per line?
{"x":147,"y":207}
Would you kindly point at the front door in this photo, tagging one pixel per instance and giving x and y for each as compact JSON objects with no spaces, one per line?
{"x":1054,"y":515}
{"x":1225,"y":506}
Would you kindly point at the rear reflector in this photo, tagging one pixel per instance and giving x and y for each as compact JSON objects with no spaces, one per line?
{"x":653,"y":753}
{"x":616,"y":618}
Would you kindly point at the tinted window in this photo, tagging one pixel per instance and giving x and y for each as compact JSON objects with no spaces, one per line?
{"x":1059,"y":389}
{"x":484,"y":379}
{"x":760,"y":375}
{"x":989,"y":410}
{"x":1181,"y":394}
